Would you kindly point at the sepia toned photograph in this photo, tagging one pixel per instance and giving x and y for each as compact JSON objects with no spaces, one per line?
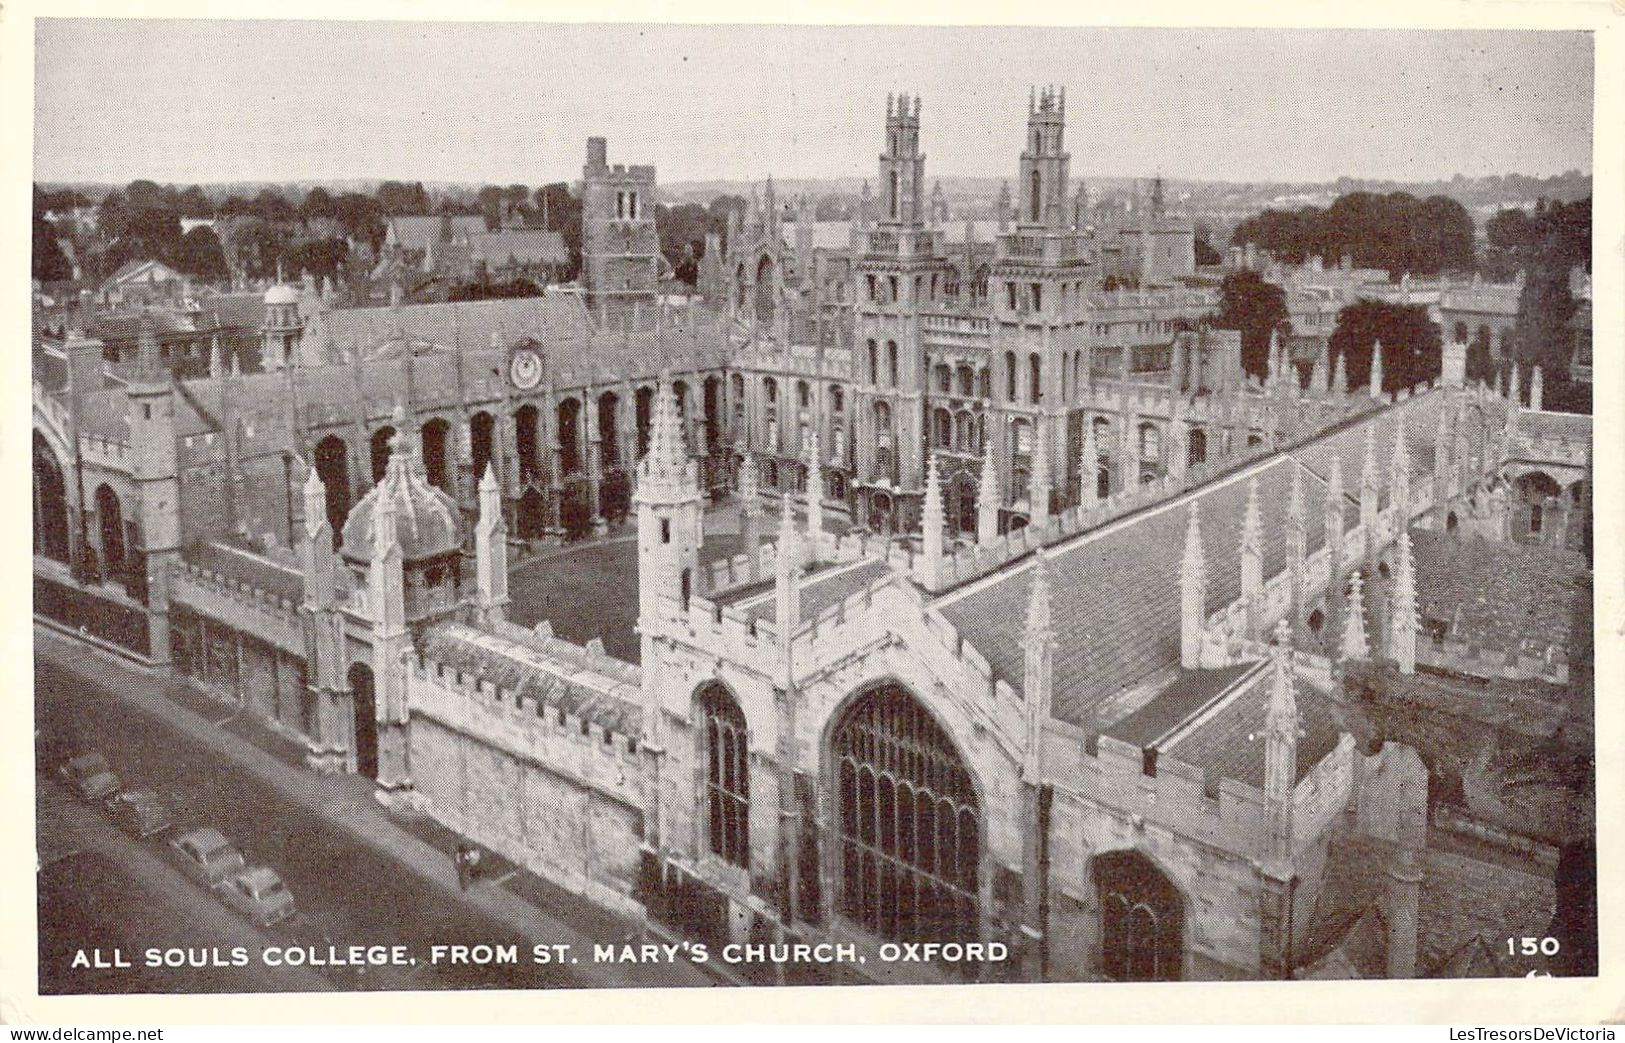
{"x":561,"y":506}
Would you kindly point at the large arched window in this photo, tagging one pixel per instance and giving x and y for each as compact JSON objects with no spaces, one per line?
{"x":569,"y":420}
{"x":527,"y":441}
{"x":1141,"y":919}
{"x":1036,"y":201}
{"x":435,"y":434}
{"x":482,"y":436}
{"x":1035,"y":373}
{"x":609,"y":450}
{"x":910,"y":833}
{"x":891,"y":363}
{"x":727,"y":775}
{"x":1010,"y":376}
{"x":381,"y":449}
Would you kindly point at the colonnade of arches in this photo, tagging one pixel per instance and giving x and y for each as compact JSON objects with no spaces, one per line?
{"x":583,"y":456}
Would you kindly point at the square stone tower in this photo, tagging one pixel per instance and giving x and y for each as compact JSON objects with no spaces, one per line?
{"x":620,"y":250}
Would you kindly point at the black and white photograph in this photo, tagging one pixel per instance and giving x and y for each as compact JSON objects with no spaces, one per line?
{"x":528,"y":505}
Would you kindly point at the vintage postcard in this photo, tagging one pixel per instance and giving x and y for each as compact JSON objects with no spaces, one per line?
{"x":550,"y":506}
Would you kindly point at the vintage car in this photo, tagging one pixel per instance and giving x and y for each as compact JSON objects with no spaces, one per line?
{"x":139,"y":812}
{"x":90,"y":776}
{"x":259,"y":894}
{"x":207,"y":856}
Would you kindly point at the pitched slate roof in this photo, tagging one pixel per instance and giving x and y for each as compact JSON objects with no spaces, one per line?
{"x":244,"y":565}
{"x":520,"y":246}
{"x":541,"y":669}
{"x":1115,"y":590}
{"x":417,"y":232}
{"x":1505,"y":596}
{"x":820,"y":590}
{"x":1229,"y":744}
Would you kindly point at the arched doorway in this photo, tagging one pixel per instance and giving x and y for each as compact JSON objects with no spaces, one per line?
{"x":1141,"y":919}
{"x":332,"y":458}
{"x":435,"y":433}
{"x":364,"y":697}
{"x":909,"y":831}
{"x":110,"y":517}
{"x":1537,"y":494}
{"x":880,"y":512}
{"x":50,"y":503}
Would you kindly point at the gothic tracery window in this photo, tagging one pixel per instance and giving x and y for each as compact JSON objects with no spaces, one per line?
{"x":910,"y":840}
{"x":727,"y":776}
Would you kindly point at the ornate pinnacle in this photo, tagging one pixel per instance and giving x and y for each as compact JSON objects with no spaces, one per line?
{"x":1039,"y":630}
{"x":1195,"y":560}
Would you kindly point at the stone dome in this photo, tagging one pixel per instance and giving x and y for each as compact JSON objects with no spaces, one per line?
{"x":426,"y":519}
{"x":281,"y":294}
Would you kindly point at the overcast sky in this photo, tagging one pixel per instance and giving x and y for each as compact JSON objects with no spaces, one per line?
{"x":201,"y":101}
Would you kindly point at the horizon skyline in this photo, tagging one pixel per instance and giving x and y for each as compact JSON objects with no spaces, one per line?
{"x":1131,"y":117}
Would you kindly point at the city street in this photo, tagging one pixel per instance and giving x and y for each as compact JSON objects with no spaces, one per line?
{"x":118,"y":891}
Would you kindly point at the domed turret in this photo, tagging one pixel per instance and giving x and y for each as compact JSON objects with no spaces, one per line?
{"x":281,"y":293}
{"x":426,"y":519}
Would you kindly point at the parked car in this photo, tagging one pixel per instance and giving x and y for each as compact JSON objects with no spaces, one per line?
{"x":90,"y":776}
{"x":259,"y":894}
{"x":139,"y":812}
{"x":207,"y":856}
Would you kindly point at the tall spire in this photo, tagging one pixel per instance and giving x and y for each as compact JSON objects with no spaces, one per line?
{"x":1340,"y":374}
{"x":491,"y":549}
{"x":315,"y":506}
{"x":1403,"y":622}
{"x":1376,"y":370}
{"x":1252,"y":558}
{"x":988,"y":499}
{"x":1192,"y":592}
{"x":667,"y":457}
{"x":1038,"y":644}
{"x":1282,"y":715}
{"x":1355,"y":645}
{"x":1536,"y":390}
{"x":1400,"y":474}
{"x":1281,"y":727}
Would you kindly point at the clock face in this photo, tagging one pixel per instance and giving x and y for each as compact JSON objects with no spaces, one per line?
{"x":525,"y":369}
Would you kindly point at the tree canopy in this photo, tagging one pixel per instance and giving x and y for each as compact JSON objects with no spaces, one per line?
{"x":1256,"y":308}
{"x":1396,"y":232}
{"x":1411,"y":344}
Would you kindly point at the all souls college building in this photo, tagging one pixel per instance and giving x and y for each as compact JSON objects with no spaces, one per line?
{"x":1077,"y":681}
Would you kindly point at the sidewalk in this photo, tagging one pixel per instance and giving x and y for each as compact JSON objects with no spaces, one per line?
{"x":422,"y":847}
